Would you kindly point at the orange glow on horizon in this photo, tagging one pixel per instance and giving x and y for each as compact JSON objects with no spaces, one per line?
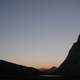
{"x":39,"y":65}
{"x":37,"y":62}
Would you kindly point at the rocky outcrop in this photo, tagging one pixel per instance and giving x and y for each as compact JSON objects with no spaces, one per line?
{"x":71,"y":65}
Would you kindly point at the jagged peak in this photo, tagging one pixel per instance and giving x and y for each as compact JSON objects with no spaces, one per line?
{"x":79,"y":38}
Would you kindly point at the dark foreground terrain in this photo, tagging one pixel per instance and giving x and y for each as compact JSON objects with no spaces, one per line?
{"x":37,"y":78}
{"x":6,"y":77}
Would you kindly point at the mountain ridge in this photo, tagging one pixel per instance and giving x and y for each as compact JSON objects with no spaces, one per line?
{"x":10,"y":69}
{"x":71,"y":65}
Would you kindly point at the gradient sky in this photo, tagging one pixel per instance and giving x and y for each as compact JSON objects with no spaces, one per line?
{"x":38,"y":33}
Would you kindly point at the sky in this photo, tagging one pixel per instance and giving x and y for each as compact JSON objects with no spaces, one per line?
{"x":38,"y":33}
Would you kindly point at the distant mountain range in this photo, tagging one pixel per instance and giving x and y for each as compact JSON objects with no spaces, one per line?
{"x":48,"y":71}
{"x":70,"y":66}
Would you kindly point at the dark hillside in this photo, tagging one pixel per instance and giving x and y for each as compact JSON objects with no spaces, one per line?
{"x":10,"y":69}
{"x":71,"y":65}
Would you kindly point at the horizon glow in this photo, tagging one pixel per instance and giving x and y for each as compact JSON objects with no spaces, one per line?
{"x":38,"y":33}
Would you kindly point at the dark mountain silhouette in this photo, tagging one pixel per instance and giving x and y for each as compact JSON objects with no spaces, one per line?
{"x":48,"y":71}
{"x":18,"y":71}
{"x":71,"y":65}
{"x":51,"y":70}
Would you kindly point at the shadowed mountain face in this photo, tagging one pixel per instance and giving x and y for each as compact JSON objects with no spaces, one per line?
{"x":71,"y":65}
{"x":48,"y":71}
{"x":15,"y":70}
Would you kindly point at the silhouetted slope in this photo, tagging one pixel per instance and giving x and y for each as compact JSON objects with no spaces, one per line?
{"x":48,"y":71}
{"x":71,"y":65}
{"x":11,"y":69}
{"x":51,"y":70}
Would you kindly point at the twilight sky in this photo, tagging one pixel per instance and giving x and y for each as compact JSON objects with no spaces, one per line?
{"x":38,"y":33}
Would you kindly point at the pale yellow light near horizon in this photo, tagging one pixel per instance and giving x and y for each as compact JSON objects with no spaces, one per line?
{"x":36,"y":62}
{"x":38,"y":33}
{"x":39,"y":64}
